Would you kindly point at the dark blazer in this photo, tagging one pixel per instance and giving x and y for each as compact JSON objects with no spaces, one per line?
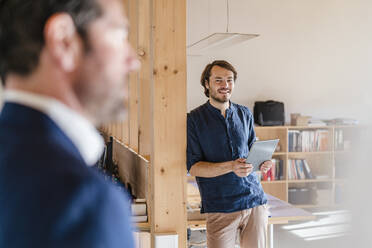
{"x":48,"y":195}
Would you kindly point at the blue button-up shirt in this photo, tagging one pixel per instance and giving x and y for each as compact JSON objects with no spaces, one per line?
{"x":214,"y":138}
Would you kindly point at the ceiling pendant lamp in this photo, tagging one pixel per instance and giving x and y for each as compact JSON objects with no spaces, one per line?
{"x":218,"y":41}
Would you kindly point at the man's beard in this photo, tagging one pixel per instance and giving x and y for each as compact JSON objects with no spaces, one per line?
{"x":100,"y":104}
{"x":221,"y":99}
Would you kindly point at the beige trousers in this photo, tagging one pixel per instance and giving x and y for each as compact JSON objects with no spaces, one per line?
{"x":249,"y":226}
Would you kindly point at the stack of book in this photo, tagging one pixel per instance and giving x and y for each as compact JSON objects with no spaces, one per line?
{"x":275,"y":173}
{"x":316,"y":123}
{"x":299,"y":169}
{"x":308,"y":140}
{"x":342,"y":121}
{"x":142,"y":239}
{"x":139,"y":210}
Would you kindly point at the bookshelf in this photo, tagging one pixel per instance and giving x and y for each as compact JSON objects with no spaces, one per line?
{"x":325,"y":149}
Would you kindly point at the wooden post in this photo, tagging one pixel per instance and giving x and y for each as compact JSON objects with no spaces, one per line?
{"x":124,"y":126}
{"x":133,"y":78}
{"x":125,"y":129}
{"x":168,"y":158}
{"x":145,"y":77}
{"x":157,"y":109}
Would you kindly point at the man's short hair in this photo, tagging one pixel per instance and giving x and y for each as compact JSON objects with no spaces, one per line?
{"x":22,"y":29}
{"x":207,"y":72}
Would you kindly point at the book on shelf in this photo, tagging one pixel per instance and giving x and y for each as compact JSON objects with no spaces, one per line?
{"x":308,"y":140}
{"x":299,"y":169}
{"x":142,"y":239}
{"x":293,"y":140}
{"x":316,"y":123}
{"x":139,"y":210}
{"x":322,"y":176}
{"x":275,"y":172}
{"x":292,"y":169}
{"x":342,"y":121}
{"x":139,"y":219}
{"x":308,"y":173}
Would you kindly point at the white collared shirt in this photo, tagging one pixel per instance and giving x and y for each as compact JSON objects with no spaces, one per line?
{"x":82,"y":133}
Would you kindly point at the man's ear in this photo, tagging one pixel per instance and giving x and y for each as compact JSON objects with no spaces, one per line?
{"x":62,"y":41}
{"x":206,"y":84}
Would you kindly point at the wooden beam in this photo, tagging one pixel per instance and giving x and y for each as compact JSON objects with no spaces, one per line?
{"x":133,"y":77}
{"x":115,"y":129}
{"x":124,"y":125}
{"x":168,"y":159}
{"x":125,"y":130}
{"x":126,"y":4}
{"x":109,"y":131}
{"x":145,"y":76}
{"x":145,"y":85}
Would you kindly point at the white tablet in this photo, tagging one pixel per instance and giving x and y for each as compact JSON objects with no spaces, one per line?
{"x":260,"y":152}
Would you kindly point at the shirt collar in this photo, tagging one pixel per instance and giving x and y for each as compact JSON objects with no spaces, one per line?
{"x":230,"y":109}
{"x":82,"y":133}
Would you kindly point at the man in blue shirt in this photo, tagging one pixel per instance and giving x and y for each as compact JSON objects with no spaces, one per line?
{"x":219,"y":136}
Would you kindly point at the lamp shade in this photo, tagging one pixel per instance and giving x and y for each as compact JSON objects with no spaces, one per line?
{"x":217,"y":41}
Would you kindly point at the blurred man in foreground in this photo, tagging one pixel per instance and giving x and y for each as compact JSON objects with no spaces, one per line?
{"x":64,"y":65}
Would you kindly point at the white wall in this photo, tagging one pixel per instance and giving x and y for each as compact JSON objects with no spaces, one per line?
{"x":314,"y":55}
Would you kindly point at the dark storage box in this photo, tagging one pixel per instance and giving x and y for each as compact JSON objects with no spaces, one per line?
{"x":269,"y":113}
{"x":301,"y":196}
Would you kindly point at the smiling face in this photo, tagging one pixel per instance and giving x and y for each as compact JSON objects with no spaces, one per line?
{"x":221,"y":84}
{"x":104,"y":68}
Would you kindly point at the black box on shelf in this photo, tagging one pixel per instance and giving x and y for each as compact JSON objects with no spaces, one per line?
{"x":301,"y":196}
{"x":269,"y":113}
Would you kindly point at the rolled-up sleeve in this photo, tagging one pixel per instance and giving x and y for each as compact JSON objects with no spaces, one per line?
{"x":194,"y":152}
{"x":251,"y":134}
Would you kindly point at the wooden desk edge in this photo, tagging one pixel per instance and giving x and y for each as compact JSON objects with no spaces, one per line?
{"x":272,"y":220}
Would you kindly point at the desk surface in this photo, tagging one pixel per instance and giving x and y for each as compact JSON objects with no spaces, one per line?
{"x":280,"y":213}
{"x":283,"y":211}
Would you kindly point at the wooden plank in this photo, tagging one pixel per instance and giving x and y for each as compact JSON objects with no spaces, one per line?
{"x":145,"y":84}
{"x":126,"y":6}
{"x":133,"y":78}
{"x":125,"y":123}
{"x":145,"y":76}
{"x":125,"y":130}
{"x":143,"y":226}
{"x":115,"y":129}
{"x":202,"y":223}
{"x":109,"y":131}
{"x":168,"y":158}
{"x":133,"y":169}
{"x":119,"y":131}
{"x":277,"y":190}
